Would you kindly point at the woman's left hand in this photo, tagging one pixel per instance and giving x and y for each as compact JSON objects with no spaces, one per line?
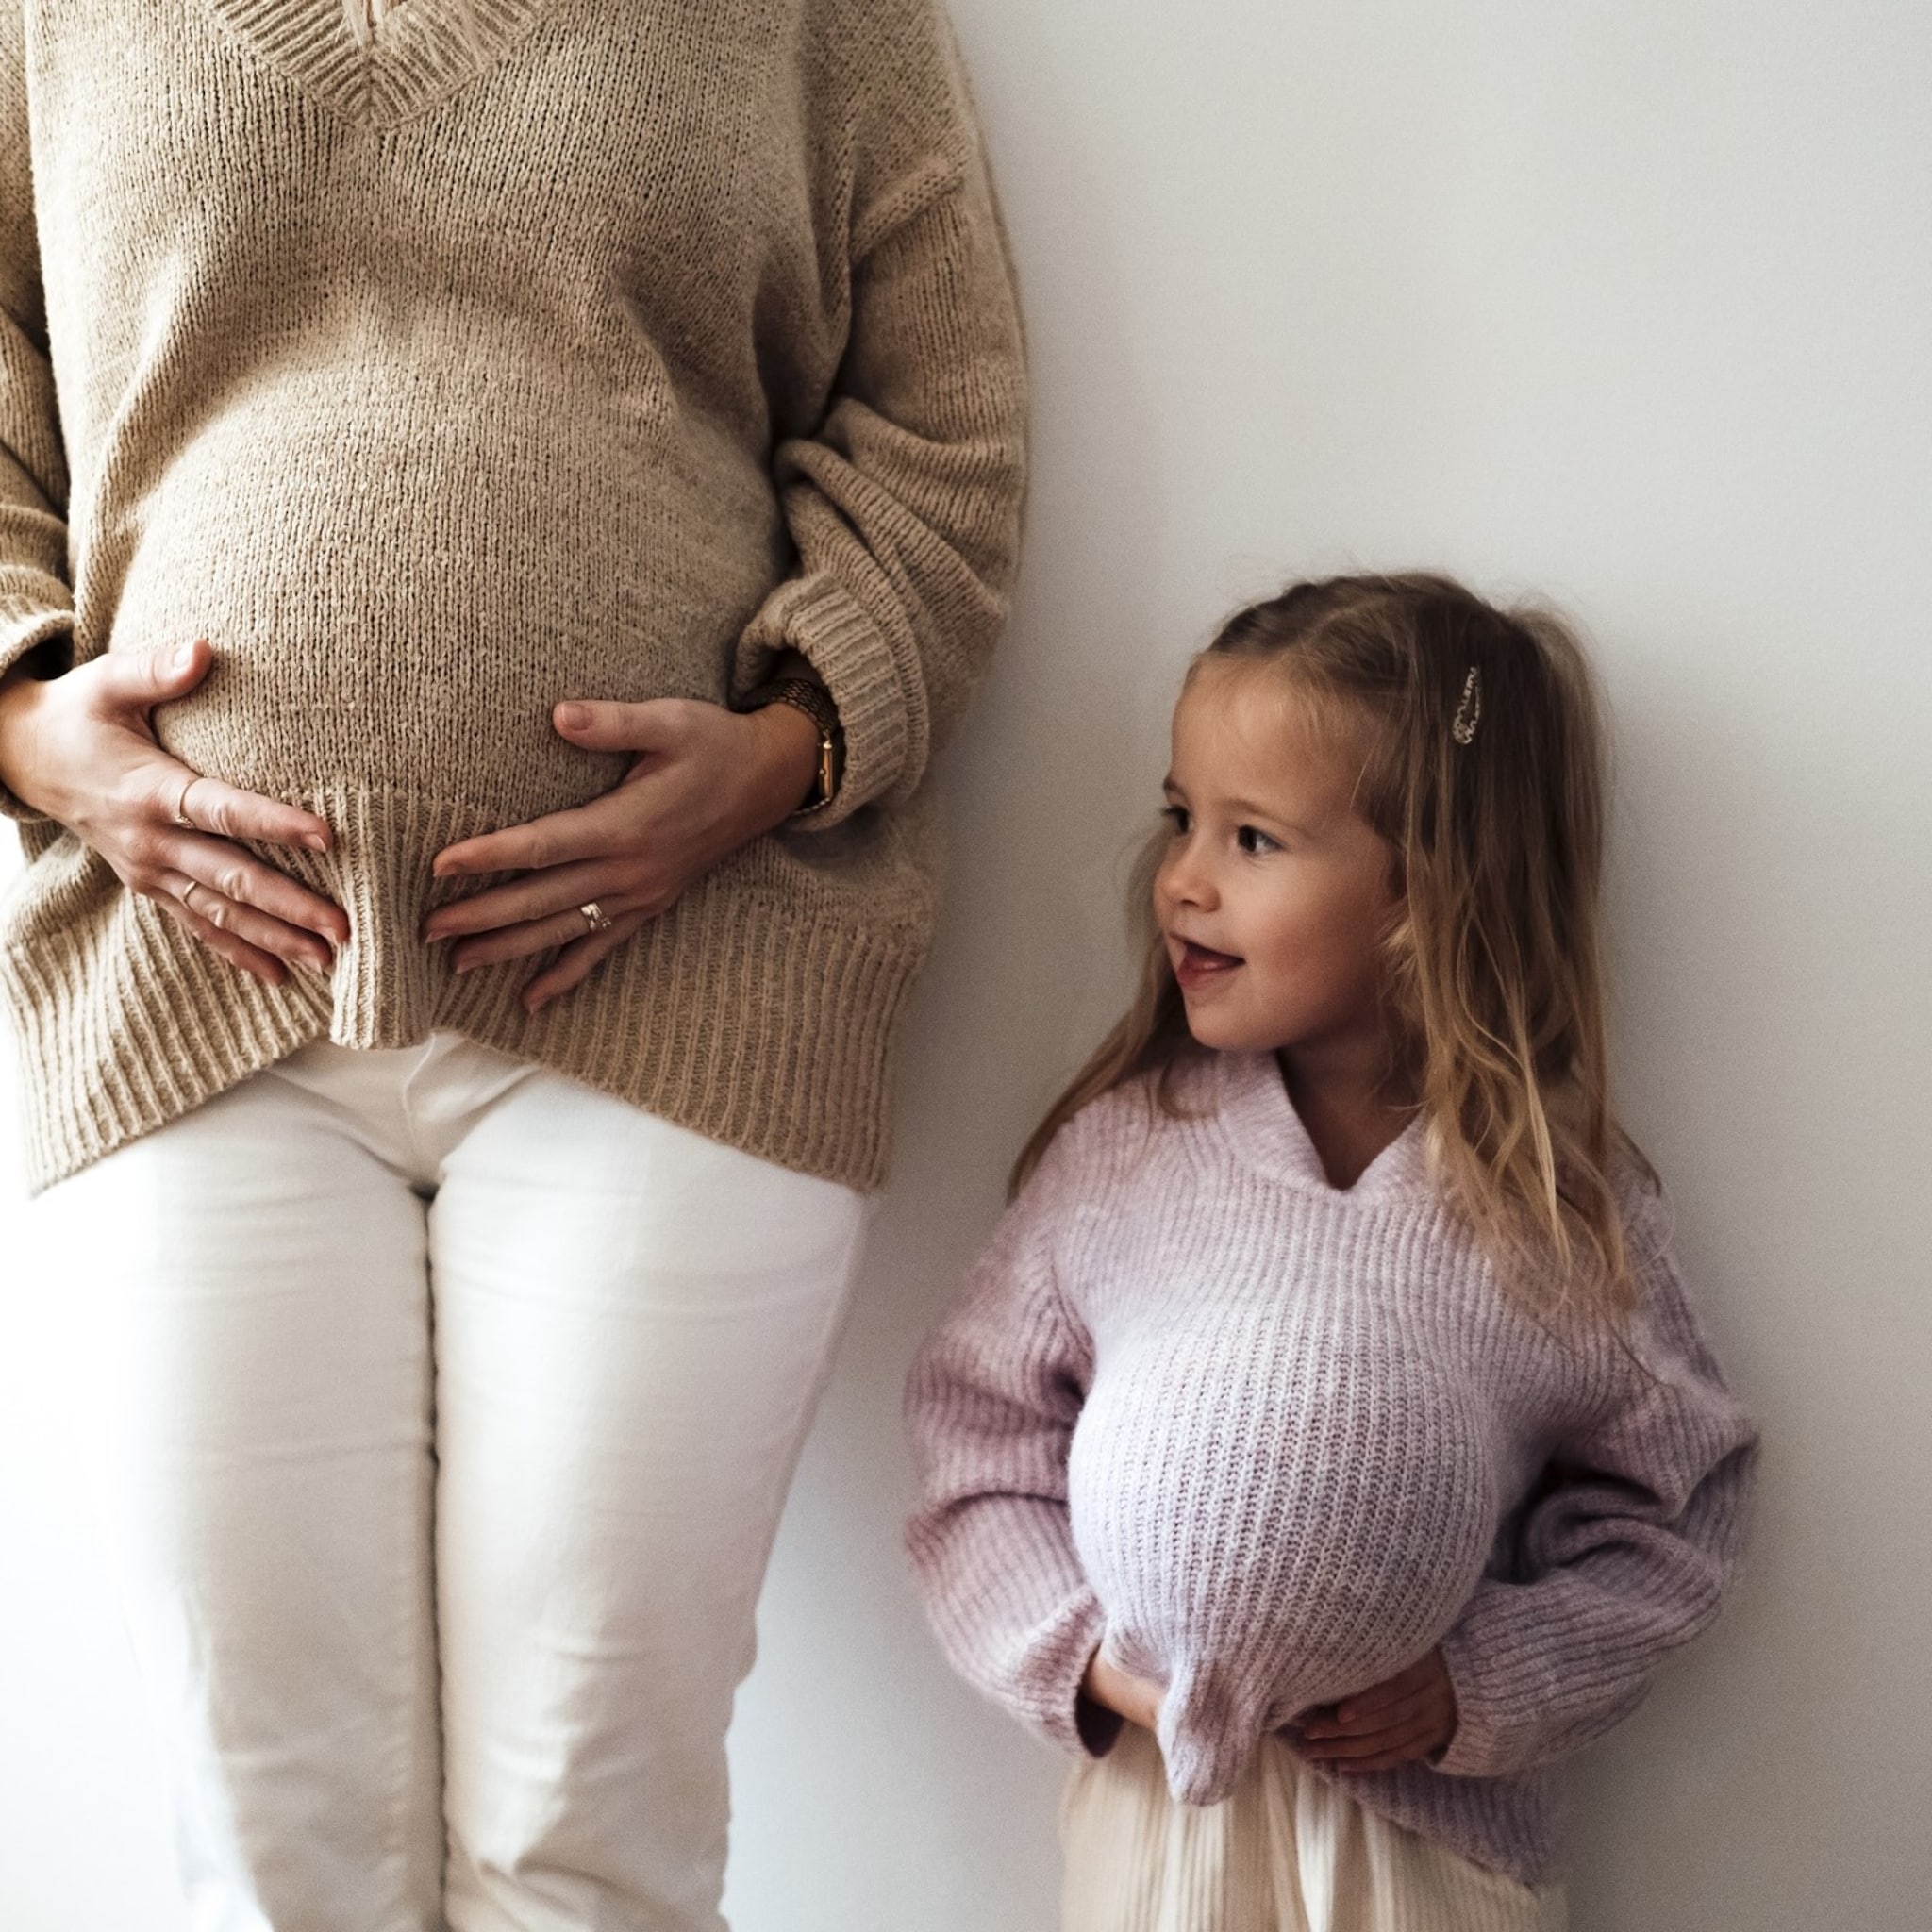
{"x":705,"y":781}
{"x":1404,"y":1717}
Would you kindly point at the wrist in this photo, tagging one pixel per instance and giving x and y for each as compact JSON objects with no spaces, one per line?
{"x":1106,"y":1684}
{"x":786,"y":759}
{"x":20,"y":697}
{"x":807,"y":699}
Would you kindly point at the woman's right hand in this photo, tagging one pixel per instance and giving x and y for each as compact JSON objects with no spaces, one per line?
{"x":81,"y":748}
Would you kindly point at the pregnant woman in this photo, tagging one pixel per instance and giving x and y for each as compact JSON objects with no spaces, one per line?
{"x":501,"y":499}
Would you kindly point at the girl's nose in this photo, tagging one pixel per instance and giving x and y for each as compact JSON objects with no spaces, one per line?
{"x":1182,"y":881}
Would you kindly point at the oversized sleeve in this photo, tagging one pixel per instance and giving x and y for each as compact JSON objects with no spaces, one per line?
{"x":904,"y":503}
{"x":1621,"y":1557}
{"x":36,"y":599}
{"x":990,"y":1406}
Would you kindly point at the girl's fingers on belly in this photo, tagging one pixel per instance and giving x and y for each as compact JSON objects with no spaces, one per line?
{"x":1383,"y":1752}
{"x":1359,"y":1724}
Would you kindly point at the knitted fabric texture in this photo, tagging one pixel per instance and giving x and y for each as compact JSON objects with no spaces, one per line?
{"x":1273,"y":1440}
{"x":530,"y":350}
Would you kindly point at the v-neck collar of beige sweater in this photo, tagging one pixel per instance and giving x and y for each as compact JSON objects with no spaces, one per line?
{"x":417,"y":54}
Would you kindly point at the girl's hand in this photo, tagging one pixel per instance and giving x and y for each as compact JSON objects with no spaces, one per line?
{"x":81,"y":748}
{"x":1136,"y":1699}
{"x":1404,"y":1717}
{"x":706,"y":781}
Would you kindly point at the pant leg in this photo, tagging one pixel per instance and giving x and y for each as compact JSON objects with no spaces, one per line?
{"x":1361,"y":1872}
{"x":1287,"y":1850}
{"x":1136,"y":1861}
{"x":633,"y":1325}
{"x":256,"y":1392}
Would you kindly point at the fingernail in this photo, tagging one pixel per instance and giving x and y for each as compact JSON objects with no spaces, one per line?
{"x":315,"y":842}
{"x":180,"y":657}
{"x":574,"y":717}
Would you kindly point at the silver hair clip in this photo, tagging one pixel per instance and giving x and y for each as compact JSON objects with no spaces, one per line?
{"x":1468,"y":712}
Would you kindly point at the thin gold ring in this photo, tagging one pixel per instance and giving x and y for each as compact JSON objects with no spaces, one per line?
{"x":181,"y":817}
{"x":595,"y":916}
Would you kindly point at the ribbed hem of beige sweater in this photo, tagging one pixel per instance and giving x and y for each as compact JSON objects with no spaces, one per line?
{"x":762,"y":1024}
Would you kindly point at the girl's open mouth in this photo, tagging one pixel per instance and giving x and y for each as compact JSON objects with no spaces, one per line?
{"x":1202,"y":965}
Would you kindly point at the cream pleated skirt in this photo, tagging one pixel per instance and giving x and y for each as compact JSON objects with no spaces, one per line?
{"x":1287,"y":1852}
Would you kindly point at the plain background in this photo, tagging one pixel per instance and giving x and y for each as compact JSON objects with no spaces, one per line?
{"x":1628,"y":303}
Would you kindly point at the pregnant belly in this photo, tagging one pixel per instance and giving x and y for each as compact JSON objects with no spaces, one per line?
{"x":401,"y":607}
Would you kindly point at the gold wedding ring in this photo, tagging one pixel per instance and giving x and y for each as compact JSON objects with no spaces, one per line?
{"x":595,"y":916}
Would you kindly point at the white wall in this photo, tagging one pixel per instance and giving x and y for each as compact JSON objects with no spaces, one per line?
{"x":1629,"y":302}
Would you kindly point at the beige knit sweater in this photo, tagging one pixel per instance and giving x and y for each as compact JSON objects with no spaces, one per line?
{"x":535,"y":349}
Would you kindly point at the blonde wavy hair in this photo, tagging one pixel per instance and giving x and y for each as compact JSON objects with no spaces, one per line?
{"x":1484,"y":772}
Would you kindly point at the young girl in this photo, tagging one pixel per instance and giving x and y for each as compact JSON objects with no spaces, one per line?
{"x":1325,"y":1446}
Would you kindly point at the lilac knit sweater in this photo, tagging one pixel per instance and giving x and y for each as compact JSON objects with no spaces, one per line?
{"x":1274,"y":1439}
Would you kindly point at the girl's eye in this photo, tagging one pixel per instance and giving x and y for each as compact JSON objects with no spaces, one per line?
{"x":1176,"y":817}
{"x":1252,"y":840}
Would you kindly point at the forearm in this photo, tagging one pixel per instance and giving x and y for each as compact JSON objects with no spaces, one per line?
{"x":1109,"y":1695}
{"x":904,"y":506}
{"x":1636,"y":1531}
{"x":1014,"y":1614}
{"x":1536,"y":1681}
{"x":19,"y":694}
{"x":22,"y":677}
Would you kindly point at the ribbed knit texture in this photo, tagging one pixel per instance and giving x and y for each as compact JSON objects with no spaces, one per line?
{"x":533,"y":350}
{"x":1276,"y":1439}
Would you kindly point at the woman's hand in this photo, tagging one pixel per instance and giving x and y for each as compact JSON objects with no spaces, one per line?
{"x":1404,"y":1717}
{"x":1136,"y":1699}
{"x":81,"y":748}
{"x":705,"y":781}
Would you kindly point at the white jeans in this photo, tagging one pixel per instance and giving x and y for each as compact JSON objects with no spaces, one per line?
{"x":446,"y":1411}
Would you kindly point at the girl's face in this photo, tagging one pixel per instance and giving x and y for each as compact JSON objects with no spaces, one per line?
{"x":1274,"y":895}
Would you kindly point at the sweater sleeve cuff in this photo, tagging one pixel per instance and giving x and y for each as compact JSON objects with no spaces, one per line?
{"x":25,"y":624}
{"x":1493,"y":1677}
{"x":1073,"y":1720}
{"x":822,"y":621}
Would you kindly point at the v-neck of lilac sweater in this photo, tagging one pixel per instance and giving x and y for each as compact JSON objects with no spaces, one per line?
{"x":1273,"y":1439}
